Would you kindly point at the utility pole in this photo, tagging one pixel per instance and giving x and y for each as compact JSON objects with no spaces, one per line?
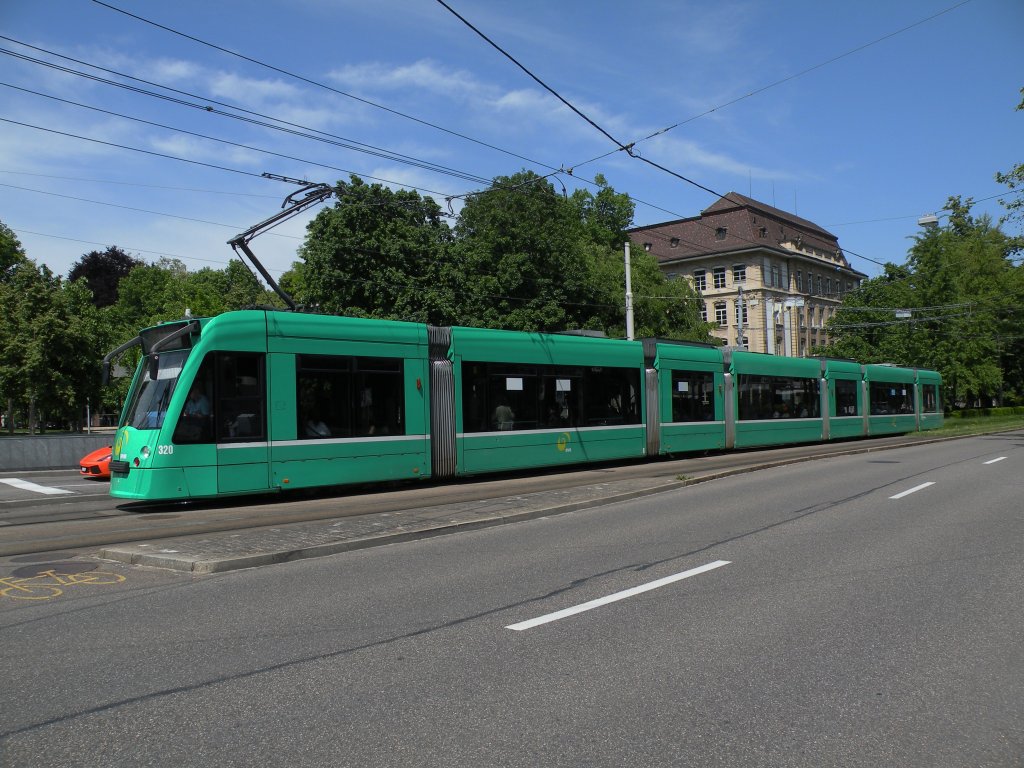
{"x":739,"y":322}
{"x":629,"y":298}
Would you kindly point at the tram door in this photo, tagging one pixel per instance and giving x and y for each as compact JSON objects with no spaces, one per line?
{"x":241,"y":416}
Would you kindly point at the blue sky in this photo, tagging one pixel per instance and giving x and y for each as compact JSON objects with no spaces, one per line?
{"x":862,"y":145}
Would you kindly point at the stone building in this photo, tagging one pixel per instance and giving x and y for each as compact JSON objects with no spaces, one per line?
{"x":769,"y":280}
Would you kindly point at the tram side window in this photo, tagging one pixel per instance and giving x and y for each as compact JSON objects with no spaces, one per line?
{"x":929,"y":398}
{"x":513,"y":399}
{"x":889,"y":397}
{"x":693,"y":396}
{"x":240,"y":405}
{"x":342,"y":396}
{"x":777,"y":397}
{"x":846,"y":397}
{"x":503,"y":397}
{"x":561,"y":398}
{"x":195,"y":424}
{"x":612,"y":396}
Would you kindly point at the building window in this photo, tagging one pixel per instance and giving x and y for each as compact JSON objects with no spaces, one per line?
{"x":763,"y":232}
{"x":674,"y":242}
{"x":703,"y":312}
{"x":810,"y":283}
{"x":719,"y":275}
{"x":799,"y":281}
{"x":776,"y":279}
{"x":817,"y":279}
{"x":739,"y":273}
{"x":700,"y":281}
{"x":672,"y":275}
{"x":741,"y":312}
{"x":720,"y":233}
{"x":721,"y":314}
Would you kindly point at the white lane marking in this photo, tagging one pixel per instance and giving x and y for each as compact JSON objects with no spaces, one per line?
{"x":25,"y":485}
{"x":915,"y":489}
{"x":615,"y":597}
{"x":995,"y":460}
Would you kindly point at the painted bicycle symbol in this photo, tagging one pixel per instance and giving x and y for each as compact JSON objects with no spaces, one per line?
{"x":49,"y":584}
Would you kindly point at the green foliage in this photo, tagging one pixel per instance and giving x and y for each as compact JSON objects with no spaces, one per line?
{"x":965,"y":295}
{"x":53,"y":340}
{"x":11,"y":252}
{"x":521,"y":256}
{"x":1014,"y":179}
{"x":375,"y":253}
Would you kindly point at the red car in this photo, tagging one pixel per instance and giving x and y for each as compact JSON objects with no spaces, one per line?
{"x":96,"y":464}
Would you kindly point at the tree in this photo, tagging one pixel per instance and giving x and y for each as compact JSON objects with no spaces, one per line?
{"x":523,"y":254}
{"x":1014,"y":179}
{"x":102,"y":272}
{"x":377,"y":253}
{"x":11,"y":252}
{"x":50,"y":351}
{"x":964,"y":294}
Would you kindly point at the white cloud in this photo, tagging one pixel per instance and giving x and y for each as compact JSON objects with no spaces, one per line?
{"x":682,"y":154}
{"x":250,"y":90}
{"x":192,"y":148}
{"x":423,"y":75}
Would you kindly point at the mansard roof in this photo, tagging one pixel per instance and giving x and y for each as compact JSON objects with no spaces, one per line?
{"x":736,"y":223}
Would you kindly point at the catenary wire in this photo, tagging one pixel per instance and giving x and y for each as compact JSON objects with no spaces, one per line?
{"x":323,"y":85}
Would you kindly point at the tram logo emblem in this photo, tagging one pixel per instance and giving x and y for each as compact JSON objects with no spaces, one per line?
{"x":563,"y":443}
{"x":121,"y":441}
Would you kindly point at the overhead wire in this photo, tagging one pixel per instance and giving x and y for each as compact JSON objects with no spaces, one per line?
{"x":285,"y":126}
{"x":318,"y":84}
{"x":565,"y":101}
{"x":628,"y":148}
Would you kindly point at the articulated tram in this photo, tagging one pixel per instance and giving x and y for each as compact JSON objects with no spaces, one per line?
{"x":262,"y":400}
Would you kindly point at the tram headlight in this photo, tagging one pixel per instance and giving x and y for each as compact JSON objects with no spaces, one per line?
{"x":145,"y":452}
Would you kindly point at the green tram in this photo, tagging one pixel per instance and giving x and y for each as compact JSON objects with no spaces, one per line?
{"x":263,"y":400}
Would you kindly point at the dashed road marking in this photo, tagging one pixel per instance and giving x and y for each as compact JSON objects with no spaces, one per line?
{"x":909,"y":491}
{"x":615,"y":597}
{"x":995,"y":460}
{"x":25,"y":485}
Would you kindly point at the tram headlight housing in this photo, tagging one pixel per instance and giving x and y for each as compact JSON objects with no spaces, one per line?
{"x":145,"y":452}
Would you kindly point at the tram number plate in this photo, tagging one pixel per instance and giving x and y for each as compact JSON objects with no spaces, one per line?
{"x":165,"y":450}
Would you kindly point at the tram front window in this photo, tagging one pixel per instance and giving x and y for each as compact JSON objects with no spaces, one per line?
{"x":151,"y":397}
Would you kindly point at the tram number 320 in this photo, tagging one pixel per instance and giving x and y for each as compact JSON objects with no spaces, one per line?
{"x":165,"y":450}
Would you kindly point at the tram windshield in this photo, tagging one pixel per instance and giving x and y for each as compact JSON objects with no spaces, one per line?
{"x":151,"y":396}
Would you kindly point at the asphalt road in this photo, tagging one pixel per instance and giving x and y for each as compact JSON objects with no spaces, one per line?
{"x":862,"y":610}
